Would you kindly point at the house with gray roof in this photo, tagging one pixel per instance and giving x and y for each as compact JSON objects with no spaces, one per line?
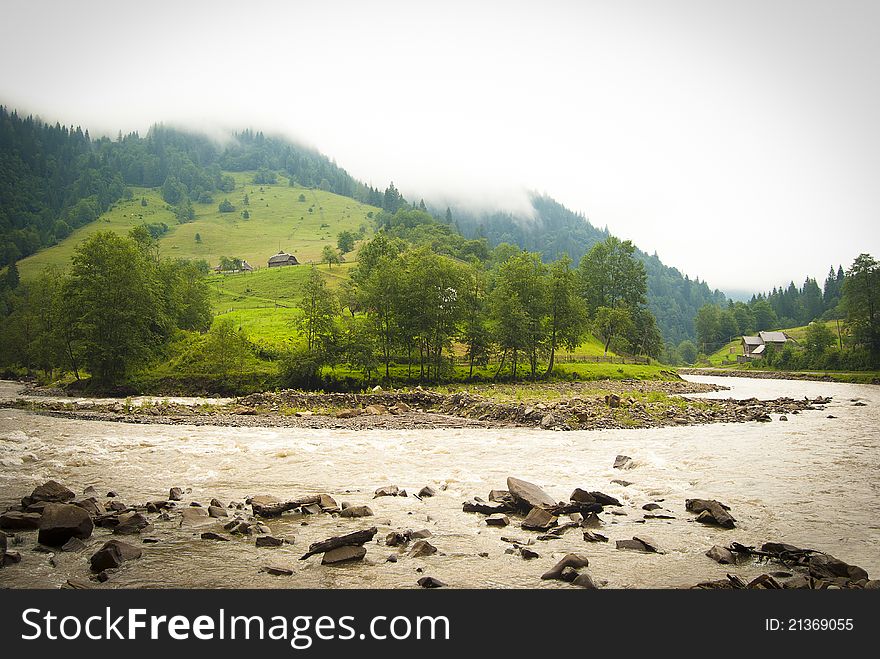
{"x":281,"y":259}
{"x":754,"y":347}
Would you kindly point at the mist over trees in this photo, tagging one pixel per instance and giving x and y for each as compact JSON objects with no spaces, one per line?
{"x":59,"y":179}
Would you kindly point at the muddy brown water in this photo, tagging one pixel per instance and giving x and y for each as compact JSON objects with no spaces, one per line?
{"x":810,"y":481}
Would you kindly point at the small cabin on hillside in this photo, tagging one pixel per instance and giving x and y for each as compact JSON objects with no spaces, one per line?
{"x":754,"y":346}
{"x":281,"y":259}
{"x":244,"y":266}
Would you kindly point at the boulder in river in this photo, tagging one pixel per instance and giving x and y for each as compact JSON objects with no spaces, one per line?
{"x":10,"y":558}
{"x":276,"y":571}
{"x":431,"y":582}
{"x":14,"y":520}
{"x":427,"y":491}
{"x":175,"y":494}
{"x":716,"y":513}
{"x":210,"y":535}
{"x":479,"y":506}
{"x":422,"y":548}
{"x":387,"y":491}
{"x":113,"y":554}
{"x":61,"y":522}
{"x":721,"y":555}
{"x":269,"y":541}
{"x":92,"y":506}
{"x":131,"y":523}
{"x":217,"y":511}
{"x":354,"y":538}
{"x":356,"y":511}
{"x":538,"y":519}
{"x":590,"y":536}
{"x":396,"y":538}
{"x":528,"y":495}
{"x":327,"y":503}
{"x":623,"y":462}
{"x":193,"y":516}
{"x":497,"y":520}
{"x":825,"y":566}
{"x":73,"y":545}
{"x":344,"y":554}
{"x":574,"y":561}
{"x":50,"y":491}
{"x":584,"y":580}
{"x":640,"y":543}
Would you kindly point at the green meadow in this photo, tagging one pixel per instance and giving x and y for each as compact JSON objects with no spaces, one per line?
{"x":278,"y":220}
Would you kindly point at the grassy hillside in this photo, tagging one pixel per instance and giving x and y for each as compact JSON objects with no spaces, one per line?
{"x":264,"y":303}
{"x":278,"y":219}
{"x":727,"y":354}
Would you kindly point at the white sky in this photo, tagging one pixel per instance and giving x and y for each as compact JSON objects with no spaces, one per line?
{"x":740,"y":140}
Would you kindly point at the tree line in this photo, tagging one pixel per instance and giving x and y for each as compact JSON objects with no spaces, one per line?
{"x":112,"y":312}
{"x":58,"y":178}
{"x":408,"y":305}
{"x":851,"y":296}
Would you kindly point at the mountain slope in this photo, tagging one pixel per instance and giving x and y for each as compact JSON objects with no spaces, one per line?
{"x":278,"y":220}
{"x":554,"y":229}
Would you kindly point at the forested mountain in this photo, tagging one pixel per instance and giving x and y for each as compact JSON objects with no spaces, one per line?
{"x":554,"y":230}
{"x":54,"y":179}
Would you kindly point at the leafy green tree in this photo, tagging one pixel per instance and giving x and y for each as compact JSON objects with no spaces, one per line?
{"x":372,"y":252}
{"x":173,"y":191}
{"x":226,"y":206}
{"x":818,"y":338}
{"x":345,"y":241}
{"x":612,"y":322}
{"x":765,"y":316}
{"x":708,"y":323}
{"x":610,"y":276}
{"x":361,"y":345}
{"x":226,"y":349}
{"x":518,"y":309}
{"x":198,"y":237}
{"x":568,"y":318}
{"x":429,"y":306}
{"x":12,"y":278}
{"x":320,"y":307}
{"x":475,"y":331}
{"x":301,"y":198}
{"x":688,"y":351}
{"x":861,"y":299}
{"x":380,"y":287}
{"x":330,"y":256}
{"x":644,"y":337}
{"x":116,"y":293}
{"x":184,"y":211}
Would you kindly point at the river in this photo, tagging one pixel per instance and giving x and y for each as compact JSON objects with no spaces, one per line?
{"x":810,"y":481}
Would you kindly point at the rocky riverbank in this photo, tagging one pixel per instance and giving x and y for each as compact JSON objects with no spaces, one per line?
{"x":549,"y":406}
{"x":853,"y":376}
{"x":97,"y":536}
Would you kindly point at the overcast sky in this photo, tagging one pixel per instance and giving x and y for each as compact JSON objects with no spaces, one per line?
{"x":739,"y":139}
